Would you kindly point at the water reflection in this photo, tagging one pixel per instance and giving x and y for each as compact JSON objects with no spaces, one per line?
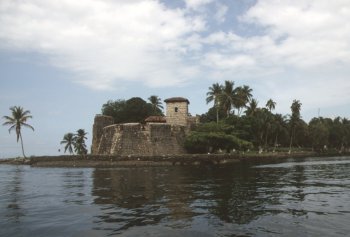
{"x":75,"y":186}
{"x":137,"y":197}
{"x":238,"y":195}
{"x":13,"y":192}
{"x":143,"y":196}
{"x":303,"y":198}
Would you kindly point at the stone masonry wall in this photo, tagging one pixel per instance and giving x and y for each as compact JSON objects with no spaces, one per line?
{"x":100,"y":122}
{"x":134,"y":139}
{"x":179,"y":116}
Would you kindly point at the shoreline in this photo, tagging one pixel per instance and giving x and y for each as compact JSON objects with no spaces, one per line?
{"x":105,"y":161}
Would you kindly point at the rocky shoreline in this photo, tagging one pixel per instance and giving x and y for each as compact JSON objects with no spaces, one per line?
{"x":164,"y":160}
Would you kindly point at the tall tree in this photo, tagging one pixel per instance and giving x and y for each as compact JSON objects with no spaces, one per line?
{"x":294,"y":120}
{"x":228,"y":97}
{"x":79,"y":141}
{"x":243,"y":96}
{"x":213,"y":95}
{"x":271,"y":105}
{"x":156,"y":104}
{"x":319,"y":133}
{"x":17,"y":121}
{"x":69,"y":140}
{"x":252,"y":107}
{"x":279,"y":128}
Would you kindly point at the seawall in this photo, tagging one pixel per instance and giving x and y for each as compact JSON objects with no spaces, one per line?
{"x":164,"y":160}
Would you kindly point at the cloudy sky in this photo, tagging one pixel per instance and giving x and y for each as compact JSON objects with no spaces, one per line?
{"x":63,"y":59}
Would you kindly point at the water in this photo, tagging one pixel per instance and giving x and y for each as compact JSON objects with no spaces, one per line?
{"x":304,"y":197}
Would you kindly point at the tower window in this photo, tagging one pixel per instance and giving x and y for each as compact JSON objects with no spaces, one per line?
{"x":176,"y":109}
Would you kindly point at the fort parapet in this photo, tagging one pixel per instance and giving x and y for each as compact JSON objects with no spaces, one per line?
{"x":136,"y":139}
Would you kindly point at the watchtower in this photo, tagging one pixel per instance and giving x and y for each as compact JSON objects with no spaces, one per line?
{"x":177,"y":111}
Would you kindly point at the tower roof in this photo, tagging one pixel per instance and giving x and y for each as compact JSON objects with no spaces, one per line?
{"x":176,"y":99}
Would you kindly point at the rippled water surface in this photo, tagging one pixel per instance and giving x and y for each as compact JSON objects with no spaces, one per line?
{"x":308,"y":197}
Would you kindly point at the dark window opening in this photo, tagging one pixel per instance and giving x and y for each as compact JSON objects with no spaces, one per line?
{"x":176,"y":109}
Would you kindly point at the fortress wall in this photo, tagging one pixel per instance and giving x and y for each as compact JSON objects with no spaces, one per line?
{"x":164,"y":140}
{"x":133,"y":139}
{"x":107,"y":140}
{"x":100,"y":122}
{"x":130,"y":140}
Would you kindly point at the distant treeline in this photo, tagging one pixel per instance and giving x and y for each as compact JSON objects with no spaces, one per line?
{"x":237,"y":122}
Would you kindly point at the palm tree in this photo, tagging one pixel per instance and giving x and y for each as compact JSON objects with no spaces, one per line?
{"x":294,"y":119}
{"x":69,"y":140}
{"x":79,"y":141}
{"x":213,"y":95}
{"x":18,"y":119}
{"x":244,"y":94}
{"x":228,"y":96}
{"x":271,"y":105}
{"x":156,"y":103}
{"x":252,"y":107}
{"x":279,"y":125}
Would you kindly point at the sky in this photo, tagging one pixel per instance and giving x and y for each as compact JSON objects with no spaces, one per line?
{"x":64,"y":59}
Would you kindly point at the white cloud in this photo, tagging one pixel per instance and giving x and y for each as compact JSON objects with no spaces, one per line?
{"x":228,"y":62}
{"x":103,"y":41}
{"x":305,"y":33}
{"x":144,"y":41}
{"x":220,"y":12}
{"x":195,"y":4}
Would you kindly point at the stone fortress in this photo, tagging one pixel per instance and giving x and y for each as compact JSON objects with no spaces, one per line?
{"x":157,"y":136}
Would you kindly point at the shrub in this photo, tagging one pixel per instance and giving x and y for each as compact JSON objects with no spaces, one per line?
{"x":204,"y":142}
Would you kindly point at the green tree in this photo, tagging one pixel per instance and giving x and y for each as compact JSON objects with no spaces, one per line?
{"x":213,"y":95}
{"x":117,"y":109}
{"x":339,"y":133}
{"x":137,"y":110}
{"x":228,"y":97}
{"x":243,"y":96}
{"x":203,"y":142}
{"x":319,"y":133}
{"x":279,"y":129}
{"x":134,"y":110}
{"x":294,"y":120}
{"x":156,"y":103}
{"x":69,"y":140}
{"x":212,"y":115}
{"x":271,"y":105}
{"x":17,"y":121}
{"x":252,"y":107}
{"x":79,"y":142}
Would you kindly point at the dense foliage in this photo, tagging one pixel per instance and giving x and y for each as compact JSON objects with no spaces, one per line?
{"x":212,"y":137}
{"x":261,"y":127}
{"x":132,"y":110}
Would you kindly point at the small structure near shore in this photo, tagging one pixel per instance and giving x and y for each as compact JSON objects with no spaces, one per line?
{"x":158,"y":136}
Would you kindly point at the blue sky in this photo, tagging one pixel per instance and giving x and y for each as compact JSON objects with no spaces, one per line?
{"x":63,"y":59}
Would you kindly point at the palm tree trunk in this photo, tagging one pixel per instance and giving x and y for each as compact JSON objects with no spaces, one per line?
{"x":20,"y":136}
{"x":275,"y":145}
{"x":291,"y":141}
{"x":217,"y":115}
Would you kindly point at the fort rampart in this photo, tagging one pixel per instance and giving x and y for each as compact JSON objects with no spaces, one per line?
{"x":136,"y":139}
